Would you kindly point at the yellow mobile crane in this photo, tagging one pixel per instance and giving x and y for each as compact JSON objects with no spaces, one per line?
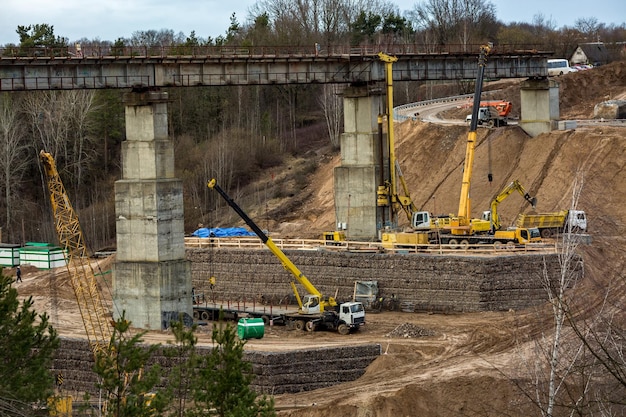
{"x":462,"y":224}
{"x":461,"y":230}
{"x":315,"y":310}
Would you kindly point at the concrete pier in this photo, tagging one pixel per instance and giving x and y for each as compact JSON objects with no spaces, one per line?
{"x":151,"y":280}
{"x":539,"y":106}
{"x":357,"y":179}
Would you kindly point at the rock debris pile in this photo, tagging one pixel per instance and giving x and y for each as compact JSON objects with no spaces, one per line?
{"x":408,"y":330}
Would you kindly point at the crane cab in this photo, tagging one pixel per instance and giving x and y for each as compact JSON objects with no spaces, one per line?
{"x":311,"y":304}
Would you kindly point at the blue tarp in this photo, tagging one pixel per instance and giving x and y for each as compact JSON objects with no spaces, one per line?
{"x":222,"y":232}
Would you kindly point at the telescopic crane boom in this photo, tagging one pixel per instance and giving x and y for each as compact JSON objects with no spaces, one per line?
{"x":313,"y":292}
{"x":463,"y":225}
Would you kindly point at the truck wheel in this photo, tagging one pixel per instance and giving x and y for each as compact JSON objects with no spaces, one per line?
{"x":196,"y":315}
{"x":454,"y":244}
{"x":498,"y":245}
{"x":204,"y":315}
{"x":266,"y":320}
{"x":546,"y":233}
{"x":510,"y":245}
{"x":464,"y":245}
{"x":299,"y":324}
{"x":343,"y":329}
{"x":310,"y":326}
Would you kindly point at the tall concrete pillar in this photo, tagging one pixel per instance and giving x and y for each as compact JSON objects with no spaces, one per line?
{"x":152,"y":279}
{"x":539,"y":106}
{"x":357,"y":179}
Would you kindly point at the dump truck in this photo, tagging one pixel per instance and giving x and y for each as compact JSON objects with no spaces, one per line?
{"x":551,"y":224}
{"x":492,"y":113}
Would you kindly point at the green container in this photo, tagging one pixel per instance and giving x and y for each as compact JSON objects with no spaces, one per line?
{"x":250,"y":329}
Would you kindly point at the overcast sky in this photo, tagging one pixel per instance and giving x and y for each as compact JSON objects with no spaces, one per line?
{"x":112,"y":19}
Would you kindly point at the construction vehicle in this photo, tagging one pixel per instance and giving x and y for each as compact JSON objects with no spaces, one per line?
{"x":461,"y":230}
{"x":92,"y":309}
{"x":492,"y":215}
{"x":551,"y":224}
{"x":492,"y":113}
{"x":334,"y":238}
{"x":315,"y":310}
{"x":387,"y":193}
{"x":94,"y":313}
{"x":462,"y":224}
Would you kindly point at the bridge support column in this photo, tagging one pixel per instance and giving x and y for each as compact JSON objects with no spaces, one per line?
{"x":356,"y":180}
{"x":152,"y":279}
{"x":539,"y":106}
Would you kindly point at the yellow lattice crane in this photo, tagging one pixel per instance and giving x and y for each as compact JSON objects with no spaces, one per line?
{"x":92,"y":309}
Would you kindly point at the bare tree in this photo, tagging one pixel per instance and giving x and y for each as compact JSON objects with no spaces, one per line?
{"x":332,"y":106}
{"x":564,"y":375}
{"x":13,"y":157}
{"x":80,"y":107}
{"x":451,"y":20}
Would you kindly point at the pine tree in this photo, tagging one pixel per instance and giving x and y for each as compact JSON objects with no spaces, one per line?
{"x":27,"y":343}
{"x":124,"y":374}
{"x":183,"y":375}
{"x":223,"y":385}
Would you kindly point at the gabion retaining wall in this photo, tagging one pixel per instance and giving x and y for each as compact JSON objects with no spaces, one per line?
{"x":275,"y":372}
{"x":432,"y":283}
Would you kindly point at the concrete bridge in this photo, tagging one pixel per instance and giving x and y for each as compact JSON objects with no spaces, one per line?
{"x":152,"y":281}
{"x":142,"y":67}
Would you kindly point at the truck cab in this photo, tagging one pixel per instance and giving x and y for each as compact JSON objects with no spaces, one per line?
{"x":352,"y":313}
{"x":489,"y":117}
{"x":577,"y":220}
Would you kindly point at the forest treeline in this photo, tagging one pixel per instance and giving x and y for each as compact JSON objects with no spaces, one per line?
{"x":232,"y":133}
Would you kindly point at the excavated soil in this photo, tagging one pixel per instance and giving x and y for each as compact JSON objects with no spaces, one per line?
{"x":461,"y":364}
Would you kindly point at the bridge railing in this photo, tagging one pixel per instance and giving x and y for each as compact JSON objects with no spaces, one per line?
{"x":356,"y":246}
{"x":83,"y":52}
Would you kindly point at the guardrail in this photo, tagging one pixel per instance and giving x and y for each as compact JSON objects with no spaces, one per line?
{"x":602,"y":122}
{"x":85,"y":51}
{"x":365,"y":247}
{"x":406,"y":107}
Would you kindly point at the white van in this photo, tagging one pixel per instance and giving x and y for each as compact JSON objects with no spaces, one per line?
{"x":559,"y":67}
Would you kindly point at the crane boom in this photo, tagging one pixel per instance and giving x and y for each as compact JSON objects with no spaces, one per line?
{"x":464,"y":201}
{"x":82,"y":277}
{"x":285,"y":261}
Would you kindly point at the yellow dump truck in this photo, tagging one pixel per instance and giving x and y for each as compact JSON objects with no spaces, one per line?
{"x":551,"y":224}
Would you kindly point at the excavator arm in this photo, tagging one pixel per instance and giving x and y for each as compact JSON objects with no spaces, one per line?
{"x":284,"y":260}
{"x":506,"y":191}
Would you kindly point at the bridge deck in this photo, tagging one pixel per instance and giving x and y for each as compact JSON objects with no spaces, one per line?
{"x":141,"y":67}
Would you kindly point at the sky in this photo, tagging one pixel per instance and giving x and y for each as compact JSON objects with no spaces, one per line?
{"x":112,"y":19}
